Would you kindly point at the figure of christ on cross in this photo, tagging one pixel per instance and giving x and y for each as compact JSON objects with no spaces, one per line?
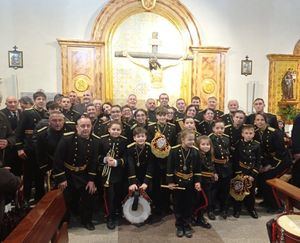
{"x":155,"y":69}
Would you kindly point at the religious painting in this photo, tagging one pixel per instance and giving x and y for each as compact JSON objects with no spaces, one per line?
{"x":143,"y":70}
{"x":15,"y":59}
{"x":246,"y":67}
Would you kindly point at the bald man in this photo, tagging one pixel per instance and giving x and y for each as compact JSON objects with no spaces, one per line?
{"x":12,"y":114}
{"x":233,"y":106}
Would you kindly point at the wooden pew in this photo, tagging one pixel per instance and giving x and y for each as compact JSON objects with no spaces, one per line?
{"x":42,"y":224}
{"x":289,"y":193}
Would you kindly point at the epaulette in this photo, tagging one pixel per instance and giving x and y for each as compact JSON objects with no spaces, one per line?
{"x":151,"y":124}
{"x":103,"y":123}
{"x":104,"y":136}
{"x":197,"y":133}
{"x":133,"y":126}
{"x":226,"y":135}
{"x":70,"y":122}
{"x":196,"y":120}
{"x":94,"y":135}
{"x":222,"y":115}
{"x":176,"y":146}
{"x":195,"y":148}
{"x":76,"y":112}
{"x":271,"y":129}
{"x":179,"y":119}
{"x":130,"y":145}
{"x":123,"y":137}
{"x":68,"y":133}
{"x":148,"y":143}
{"x":256,"y":141}
{"x":201,"y":122}
{"x":28,"y":109}
{"x":229,"y":125}
{"x":171,"y":124}
{"x":210,"y":134}
{"x":42,"y":129}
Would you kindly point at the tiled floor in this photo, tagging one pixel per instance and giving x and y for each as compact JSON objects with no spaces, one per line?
{"x":242,"y":230}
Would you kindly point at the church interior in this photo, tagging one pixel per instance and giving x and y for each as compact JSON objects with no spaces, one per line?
{"x":230,"y":50}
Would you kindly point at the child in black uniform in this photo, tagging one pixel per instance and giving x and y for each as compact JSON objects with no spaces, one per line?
{"x":208,"y":179}
{"x":184,"y":170}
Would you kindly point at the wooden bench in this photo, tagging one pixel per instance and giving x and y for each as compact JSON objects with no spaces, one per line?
{"x":44,"y":222}
{"x":289,"y":193}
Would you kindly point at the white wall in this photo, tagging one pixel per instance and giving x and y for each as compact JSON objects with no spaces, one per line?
{"x":254,"y":28}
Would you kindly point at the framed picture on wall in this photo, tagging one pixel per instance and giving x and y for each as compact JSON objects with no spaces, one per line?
{"x":15,"y":59}
{"x":246,"y":67}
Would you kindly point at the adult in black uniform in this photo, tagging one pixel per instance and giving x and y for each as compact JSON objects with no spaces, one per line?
{"x":233,"y":106}
{"x":246,"y":162}
{"x":259,"y":106}
{"x":151,"y":106}
{"x":47,"y":139}
{"x":28,"y":121}
{"x":112,"y":158}
{"x":184,"y":170}
{"x":11,"y":154}
{"x":161,"y":198}
{"x":205,"y":126}
{"x":296,"y":138}
{"x":87,"y":98}
{"x":275,"y":159}
{"x":212,"y":103}
{"x":67,"y":110}
{"x":234,"y":130}
{"x":101,"y":128}
{"x":7,"y":138}
{"x":180,"y":112}
{"x":74,"y":169}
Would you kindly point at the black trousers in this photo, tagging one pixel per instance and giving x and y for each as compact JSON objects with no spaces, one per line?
{"x":249,"y":200}
{"x":209,"y":190}
{"x":79,"y":200}
{"x":160,"y":196}
{"x":32,"y":173}
{"x":269,"y":197}
{"x":113,"y":196}
{"x":12,"y":160}
{"x":183,"y":202}
{"x":221,"y":193}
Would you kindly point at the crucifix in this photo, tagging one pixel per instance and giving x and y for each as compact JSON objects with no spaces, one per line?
{"x":155,"y":68}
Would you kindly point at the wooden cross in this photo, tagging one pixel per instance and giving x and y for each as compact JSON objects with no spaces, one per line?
{"x":153,"y":53}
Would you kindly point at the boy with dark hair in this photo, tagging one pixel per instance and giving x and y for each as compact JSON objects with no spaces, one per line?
{"x":246,"y":163}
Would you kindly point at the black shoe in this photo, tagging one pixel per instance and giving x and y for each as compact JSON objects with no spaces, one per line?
{"x":224,"y":214}
{"x":253,"y":214}
{"x":179,"y":232}
{"x":236,"y":214}
{"x":201,"y":221}
{"x":188,"y":232}
{"x":89,"y":226}
{"x":110,"y":224}
{"x":211,"y":215}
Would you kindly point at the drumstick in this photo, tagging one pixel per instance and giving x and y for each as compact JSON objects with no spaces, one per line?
{"x":175,"y":188}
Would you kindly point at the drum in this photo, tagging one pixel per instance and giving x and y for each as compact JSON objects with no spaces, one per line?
{"x":288,"y":228}
{"x":136,"y":208}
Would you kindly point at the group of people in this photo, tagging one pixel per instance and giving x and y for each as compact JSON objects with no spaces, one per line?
{"x":184,"y":158}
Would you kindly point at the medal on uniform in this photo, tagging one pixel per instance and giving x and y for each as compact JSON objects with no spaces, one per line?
{"x":185,"y":158}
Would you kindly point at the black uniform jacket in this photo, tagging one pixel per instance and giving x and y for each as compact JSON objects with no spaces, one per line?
{"x":75,"y":159}
{"x":140,"y":163}
{"x":115,"y":147}
{"x":184,"y":166}
{"x":247,"y":158}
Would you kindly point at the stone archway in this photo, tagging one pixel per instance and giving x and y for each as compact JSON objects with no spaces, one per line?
{"x":204,"y":77}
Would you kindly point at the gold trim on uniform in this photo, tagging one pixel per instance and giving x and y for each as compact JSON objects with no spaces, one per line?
{"x":59,"y":174}
{"x":74,"y":168}
{"x":184,"y":176}
{"x":68,"y":133}
{"x":28,"y":132}
{"x":130,"y":145}
{"x":42,"y":129}
{"x":131,"y":177}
